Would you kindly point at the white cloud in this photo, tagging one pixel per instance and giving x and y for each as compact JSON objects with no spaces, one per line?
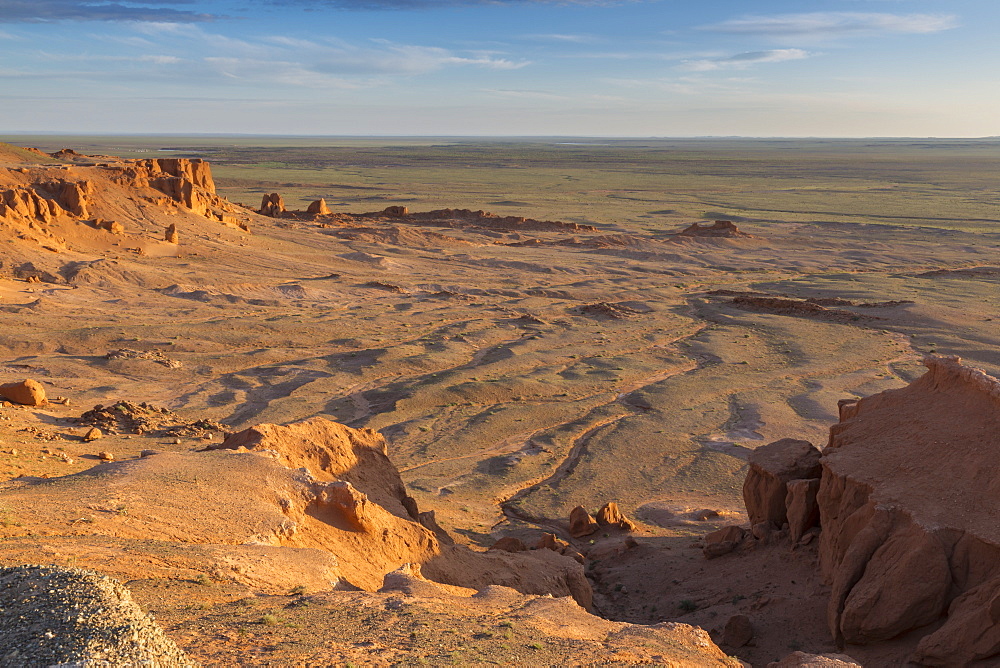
{"x":160,"y":60}
{"x":555,"y":37}
{"x":303,"y":62}
{"x":742,"y":61}
{"x":835,"y":24}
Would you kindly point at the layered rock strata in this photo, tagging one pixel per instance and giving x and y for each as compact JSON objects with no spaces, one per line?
{"x":34,"y":198}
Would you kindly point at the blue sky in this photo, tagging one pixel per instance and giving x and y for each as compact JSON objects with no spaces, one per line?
{"x":833,"y":68}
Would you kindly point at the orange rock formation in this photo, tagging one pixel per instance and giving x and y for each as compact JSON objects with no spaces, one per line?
{"x":27,"y":392}
{"x":720,"y":228}
{"x":909,"y":537}
{"x":42,"y":202}
{"x":318,"y":503}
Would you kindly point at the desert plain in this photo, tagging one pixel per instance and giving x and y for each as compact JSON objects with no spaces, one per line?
{"x":532,"y":325}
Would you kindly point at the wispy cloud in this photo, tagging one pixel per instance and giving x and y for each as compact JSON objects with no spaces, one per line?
{"x":566,"y":39}
{"x":207,"y":59}
{"x":742,"y":61}
{"x":49,"y":11}
{"x":835,"y":24}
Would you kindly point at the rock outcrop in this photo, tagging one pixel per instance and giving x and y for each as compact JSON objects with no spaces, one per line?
{"x":772,"y":468}
{"x":187,"y":182}
{"x":313,"y":503}
{"x":610,"y":516}
{"x":26,"y":392}
{"x":905,"y":501}
{"x":908,"y":530}
{"x":43,"y":202}
{"x":318,"y":208}
{"x":720,"y":228}
{"x":272,"y":205}
{"x":581,"y":523}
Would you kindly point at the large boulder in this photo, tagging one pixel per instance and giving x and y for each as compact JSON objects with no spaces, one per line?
{"x":318,"y":207}
{"x":27,"y":392}
{"x":610,"y":516}
{"x":581,"y":523}
{"x":272,"y":205}
{"x":772,"y":467}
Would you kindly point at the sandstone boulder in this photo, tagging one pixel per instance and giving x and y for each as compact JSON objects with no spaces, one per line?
{"x":170,"y":235}
{"x":272,"y":205}
{"x":549,"y":541}
{"x":396,"y":211}
{"x":738,"y":631}
{"x":581,"y":523}
{"x":610,"y":516}
{"x":318,"y":207}
{"x":27,"y":392}
{"x":772,"y":467}
{"x":723,"y":541}
{"x":111,"y":226}
{"x":509,"y":544}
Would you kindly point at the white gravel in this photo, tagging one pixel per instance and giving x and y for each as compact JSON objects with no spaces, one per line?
{"x":67,"y":617}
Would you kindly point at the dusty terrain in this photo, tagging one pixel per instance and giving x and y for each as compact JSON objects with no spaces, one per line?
{"x":516,"y":370}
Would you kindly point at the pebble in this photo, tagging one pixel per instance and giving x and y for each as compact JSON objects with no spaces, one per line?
{"x":70,"y":617}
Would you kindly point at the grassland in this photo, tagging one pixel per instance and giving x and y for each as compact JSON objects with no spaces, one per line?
{"x":636,"y":184}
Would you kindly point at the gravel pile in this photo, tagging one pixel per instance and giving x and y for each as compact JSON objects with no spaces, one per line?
{"x":68,"y":617}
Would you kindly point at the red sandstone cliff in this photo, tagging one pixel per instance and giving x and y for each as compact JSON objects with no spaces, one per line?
{"x":905,"y":501}
{"x":41,"y":202}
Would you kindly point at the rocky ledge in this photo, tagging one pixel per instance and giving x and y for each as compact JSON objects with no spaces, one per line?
{"x":903,"y":497}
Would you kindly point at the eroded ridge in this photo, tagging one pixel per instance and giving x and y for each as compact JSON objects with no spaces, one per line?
{"x":908,"y":533}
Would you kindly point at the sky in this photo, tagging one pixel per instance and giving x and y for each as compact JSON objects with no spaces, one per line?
{"x":612,"y":68}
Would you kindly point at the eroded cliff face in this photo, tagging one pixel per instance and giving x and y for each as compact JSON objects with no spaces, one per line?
{"x":907,"y":499}
{"x":907,"y":508}
{"x":34,"y":199}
